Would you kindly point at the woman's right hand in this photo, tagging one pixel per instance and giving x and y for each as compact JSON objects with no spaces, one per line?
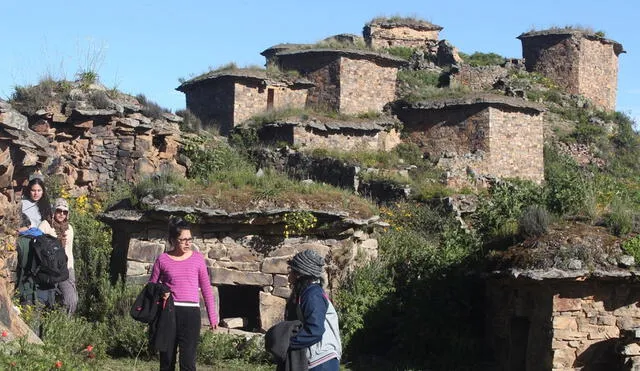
{"x":166,"y":295}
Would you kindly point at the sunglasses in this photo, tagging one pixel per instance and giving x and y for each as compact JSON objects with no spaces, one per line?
{"x":65,"y":212}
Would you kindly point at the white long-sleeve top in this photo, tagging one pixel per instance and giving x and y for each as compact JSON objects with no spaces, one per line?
{"x":45,"y":227}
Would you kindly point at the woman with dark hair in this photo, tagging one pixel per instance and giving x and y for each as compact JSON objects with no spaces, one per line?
{"x":35,"y":203}
{"x":185,"y":273}
{"x":308,"y":303}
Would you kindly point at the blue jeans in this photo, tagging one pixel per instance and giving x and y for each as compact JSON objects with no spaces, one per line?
{"x":330,"y":365}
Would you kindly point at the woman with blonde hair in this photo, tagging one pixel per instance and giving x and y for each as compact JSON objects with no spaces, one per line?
{"x":63,"y":231}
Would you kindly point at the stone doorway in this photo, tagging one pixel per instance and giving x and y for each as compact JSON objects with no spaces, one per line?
{"x":240,"y":301}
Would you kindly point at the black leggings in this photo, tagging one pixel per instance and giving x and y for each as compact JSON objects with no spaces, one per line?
{"x":187,"y":336}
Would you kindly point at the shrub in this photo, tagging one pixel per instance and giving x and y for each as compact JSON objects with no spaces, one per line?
{"x":159,"y":185}
{"x":29,"y":99}
{"x":534,"y":221}
{"x":400,"y":51}
{"x":482,"y":59}
{"x":498,"y":213}
{"x":150,"y":108}
{"x":632,"y":247}
{"x":87,"y":77}
{"x":209,"y":159}
{"x":214,"y":348}
{"x":100,"y":100}
{"x":621,"y":218}
{"x":567,"y":188}
{"x":190,"y":122}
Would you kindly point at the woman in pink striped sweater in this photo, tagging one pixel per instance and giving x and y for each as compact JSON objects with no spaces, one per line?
{"x":184,"y":271}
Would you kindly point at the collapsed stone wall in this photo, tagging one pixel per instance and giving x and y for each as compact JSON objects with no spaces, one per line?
{"x":84,"y":147}
{"x":379,"y":36}
{"x":246,"y":255}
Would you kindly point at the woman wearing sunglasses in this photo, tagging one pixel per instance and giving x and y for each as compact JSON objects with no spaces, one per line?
{"x":63,"y":231}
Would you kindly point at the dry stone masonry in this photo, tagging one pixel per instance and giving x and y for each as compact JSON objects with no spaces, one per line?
{"x":246,"y":253}
{"x":478,"y":136}
{"x":580,"y":62}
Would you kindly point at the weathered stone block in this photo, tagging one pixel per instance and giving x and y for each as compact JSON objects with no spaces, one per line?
{"x":280,"y":281}
{"x":275,"y":265}
{"x":565,"y":323}
{"x":283,"y":292}
{"x":566,"y":304}
{"x":136,"y":268}
{"x":241,"y":266}
{"x":223,"y":276}
{"x":144,"y":251}
{"x":271,"y":310}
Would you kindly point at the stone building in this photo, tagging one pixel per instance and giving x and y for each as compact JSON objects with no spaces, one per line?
{"x":579,"y":61}
{"x":346,"y":81}
{"x":246,"y":253}
{"x":226,"y":98}
{"x":373,"y":135}
{"x":406,"y":32}
{"x":562,"y":302}
{"x":478,"y":136}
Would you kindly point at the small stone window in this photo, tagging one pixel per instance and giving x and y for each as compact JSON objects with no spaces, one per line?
{"x":240,"y":301}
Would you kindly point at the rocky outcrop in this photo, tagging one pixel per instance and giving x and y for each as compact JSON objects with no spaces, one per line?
{"x":86,"y":146}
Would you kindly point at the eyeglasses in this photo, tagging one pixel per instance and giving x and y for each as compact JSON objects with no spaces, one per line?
{"x":65,"y":212}
{"x":185,"y":240}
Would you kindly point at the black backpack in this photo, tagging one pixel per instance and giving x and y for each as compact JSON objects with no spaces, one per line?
{"x":50,"y":261}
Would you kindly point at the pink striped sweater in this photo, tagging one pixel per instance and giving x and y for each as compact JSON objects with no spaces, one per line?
{"x":184,"y":277}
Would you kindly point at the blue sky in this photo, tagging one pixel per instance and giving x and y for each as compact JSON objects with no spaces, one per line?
{"x":143,"y":46}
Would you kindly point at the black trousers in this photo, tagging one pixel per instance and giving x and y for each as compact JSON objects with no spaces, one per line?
{"x":187,"y":337}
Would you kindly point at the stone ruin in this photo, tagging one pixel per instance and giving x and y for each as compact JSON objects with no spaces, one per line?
{"x":246,"y":254}
{"x":565,"y":301}
{"x":478,"y":136}
{"x":579,"y":61}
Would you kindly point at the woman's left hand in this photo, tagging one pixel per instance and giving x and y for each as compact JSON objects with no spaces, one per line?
{"x":213,"y":327}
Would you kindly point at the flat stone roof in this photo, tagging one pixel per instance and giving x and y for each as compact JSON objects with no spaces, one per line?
{"x":348,"y":53}
{"x":474,"y":99}
{"x":379,"y":125}
{"x":573,"y":32}
{"x":242,"y":74}
{"x":393,"y":22}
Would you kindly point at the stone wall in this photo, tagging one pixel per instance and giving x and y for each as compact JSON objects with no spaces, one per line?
{"x":516,"y":144}
{"x":246,"y":257}
{"x":598,"y":77}
{"x":480,"y":78}
{"x":478,"y":140}
{"x":377,"y":36}
{"x":346,"y":140}
{"x":249,"y":100}
{"x":324,"y":72}
{"x":86,"y":147}
{"x":365,"y":86}
{"x":212,"y":102}
{"x":578,"y":64}
{"x":566,"y":324}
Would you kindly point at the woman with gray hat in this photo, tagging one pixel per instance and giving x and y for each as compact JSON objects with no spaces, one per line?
{"x":63,"y":231}
{"x":320,"y":334}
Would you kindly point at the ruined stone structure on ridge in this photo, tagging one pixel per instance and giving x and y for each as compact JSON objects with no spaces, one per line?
{"x":229,"y":97}
{"x":346,"y":81}
{"x":478,"y":136}
{"x":406,"y":32}
{"x":579,"y":61}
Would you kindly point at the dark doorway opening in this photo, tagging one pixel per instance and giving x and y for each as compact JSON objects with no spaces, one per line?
{"x":519,"y":343}
{"x":241,"y":301}
{"x":270,"y":97}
